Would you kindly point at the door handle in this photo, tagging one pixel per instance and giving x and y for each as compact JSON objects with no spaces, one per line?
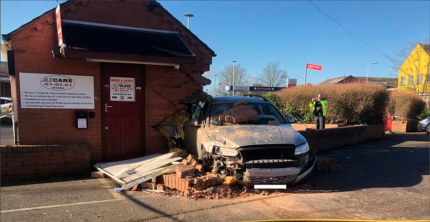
{"x":106,"y":107}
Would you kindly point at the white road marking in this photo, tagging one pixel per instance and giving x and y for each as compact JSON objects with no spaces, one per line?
{"x":367,"y":151}
{"x":270,"y":186}
{"x":60,"y":205}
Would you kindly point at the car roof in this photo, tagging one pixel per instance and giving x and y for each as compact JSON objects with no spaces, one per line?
{"x":233,"y":99}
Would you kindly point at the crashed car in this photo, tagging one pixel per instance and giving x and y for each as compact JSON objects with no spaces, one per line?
{"x":248,"y":138}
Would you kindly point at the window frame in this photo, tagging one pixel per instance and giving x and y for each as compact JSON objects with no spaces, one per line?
{"x":411,"y":80}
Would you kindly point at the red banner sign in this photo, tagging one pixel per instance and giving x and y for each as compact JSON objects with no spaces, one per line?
{"x":313,"y":66}
{"x":59,"y":29}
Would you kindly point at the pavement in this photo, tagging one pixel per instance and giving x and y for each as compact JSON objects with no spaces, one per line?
{"x":384,"y":179}
{"x":6,"y":135}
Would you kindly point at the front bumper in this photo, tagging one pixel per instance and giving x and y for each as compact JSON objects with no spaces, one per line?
{"x":289,"y":175}
{"x":421,"y":127}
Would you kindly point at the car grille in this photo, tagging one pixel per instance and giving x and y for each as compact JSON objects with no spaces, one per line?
{"x":285,"y":152}
{"x":272,"y":163}
{"x":274,"y":180}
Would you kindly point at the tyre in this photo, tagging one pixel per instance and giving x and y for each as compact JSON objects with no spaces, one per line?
{"x":428,"y":128}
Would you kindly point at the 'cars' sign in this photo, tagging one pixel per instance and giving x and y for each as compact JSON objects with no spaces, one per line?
{"x":58,"y":83}
{"x":53,"y":91}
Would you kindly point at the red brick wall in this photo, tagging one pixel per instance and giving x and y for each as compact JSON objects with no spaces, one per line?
{"x":342,"y":136}
{"x":298,"y":126}
{"x":136,"y":14}
{"x":164,"y":86}
{"x":54,"y":126}
{"x":404,"y":126}
{"x":19,"y":162}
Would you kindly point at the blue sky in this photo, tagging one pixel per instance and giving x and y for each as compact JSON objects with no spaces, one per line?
{"x":294,"y":32}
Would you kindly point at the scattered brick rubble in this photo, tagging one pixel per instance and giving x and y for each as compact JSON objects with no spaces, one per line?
{"x":192,"y":182}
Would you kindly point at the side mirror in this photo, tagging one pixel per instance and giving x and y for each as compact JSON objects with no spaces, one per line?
{"x":291,"y":119}
{"x":194,"y":122}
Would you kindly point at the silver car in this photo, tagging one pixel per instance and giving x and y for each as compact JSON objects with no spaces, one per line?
{"x":5,"y":104}
{"x":424,"y":125}
{"x":266,"y":150}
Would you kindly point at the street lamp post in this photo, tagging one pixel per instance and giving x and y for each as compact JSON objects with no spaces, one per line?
{"x":216,"y":91}
{"x":371,"y":63}
{"x":233,"y":75}
{"x":219,"y":89}
{"x":188,"y":16}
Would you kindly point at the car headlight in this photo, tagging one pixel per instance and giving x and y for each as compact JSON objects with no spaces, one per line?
{"x":301,"y":149}
{"x":424,"y":121}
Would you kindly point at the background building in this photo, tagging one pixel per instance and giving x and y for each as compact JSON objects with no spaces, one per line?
{"x":389,"y":83}
{"x":415,"y":70}
{"x":4,"y":80}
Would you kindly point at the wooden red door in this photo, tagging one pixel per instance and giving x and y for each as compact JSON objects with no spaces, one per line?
{"x":122,"y":111}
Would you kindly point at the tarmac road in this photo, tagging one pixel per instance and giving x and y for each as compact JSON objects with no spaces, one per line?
{"x":381,"y":179}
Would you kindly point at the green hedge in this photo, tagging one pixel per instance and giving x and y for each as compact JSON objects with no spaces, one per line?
{"x":347,"y":103}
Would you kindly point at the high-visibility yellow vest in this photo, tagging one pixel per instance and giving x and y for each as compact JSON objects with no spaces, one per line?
{"x":324,"y":104}
{"x":9,"y":110}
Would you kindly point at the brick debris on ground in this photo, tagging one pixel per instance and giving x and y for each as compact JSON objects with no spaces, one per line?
{"x":191,"y":182}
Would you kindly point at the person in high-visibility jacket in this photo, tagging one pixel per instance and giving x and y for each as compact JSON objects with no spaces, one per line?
{"x":318,"y":108}
{"x":9,"y":110}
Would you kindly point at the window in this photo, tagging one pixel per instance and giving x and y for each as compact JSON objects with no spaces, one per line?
{"x":420,"y":79}
{"x":266,"y":113}
{"x":195,"y":111}
{"x":411,"y":80}
{"x":402,"y":81}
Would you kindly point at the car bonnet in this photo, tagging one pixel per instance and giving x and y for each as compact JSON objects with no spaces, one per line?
{"x":251,"y":135}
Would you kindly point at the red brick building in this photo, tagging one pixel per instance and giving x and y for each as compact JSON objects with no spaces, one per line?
{"x":389,"y":83}
{"x":104,"y":42}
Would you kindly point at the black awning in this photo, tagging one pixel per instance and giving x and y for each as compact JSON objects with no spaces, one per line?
{"x":105,"y":38}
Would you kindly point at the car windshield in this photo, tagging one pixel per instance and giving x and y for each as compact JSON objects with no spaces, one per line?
{"x":267,"y":114}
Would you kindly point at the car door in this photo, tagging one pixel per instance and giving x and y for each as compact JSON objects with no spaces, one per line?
{"x":193,"y":130}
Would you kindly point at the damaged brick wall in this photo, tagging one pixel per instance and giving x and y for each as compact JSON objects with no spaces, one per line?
{"x":26,"y":162}
{"x":165,"y":88}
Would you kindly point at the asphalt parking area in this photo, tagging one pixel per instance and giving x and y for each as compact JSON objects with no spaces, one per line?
{"x":394,"y":161}
{"x":384,"y":179}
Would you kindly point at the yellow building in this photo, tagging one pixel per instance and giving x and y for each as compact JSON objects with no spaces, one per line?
{"x":414,"y":72}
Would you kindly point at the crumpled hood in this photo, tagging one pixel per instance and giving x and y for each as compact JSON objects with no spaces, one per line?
{"x":249,"y":135}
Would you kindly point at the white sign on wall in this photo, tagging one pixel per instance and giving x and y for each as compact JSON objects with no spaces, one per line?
{"x":51,"y":91}
{"x":122,"y":89}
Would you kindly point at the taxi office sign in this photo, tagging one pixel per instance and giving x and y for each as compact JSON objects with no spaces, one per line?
{"x":122,"y":89}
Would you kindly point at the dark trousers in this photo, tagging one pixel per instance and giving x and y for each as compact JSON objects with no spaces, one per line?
{"x":320,"y":122}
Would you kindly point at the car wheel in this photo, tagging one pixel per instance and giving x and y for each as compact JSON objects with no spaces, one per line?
{"x":428,"y":128}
